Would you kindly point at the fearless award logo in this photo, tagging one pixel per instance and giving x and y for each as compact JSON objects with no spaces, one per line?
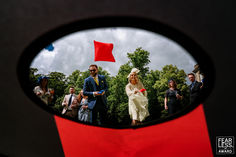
{"x":225,"y":145}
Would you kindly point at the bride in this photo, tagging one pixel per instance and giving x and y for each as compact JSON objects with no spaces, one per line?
{"x":138,"y":102}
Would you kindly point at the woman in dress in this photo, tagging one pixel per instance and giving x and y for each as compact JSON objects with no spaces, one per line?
{"x":172,"y":98}
{"x":138,"y":102}
{"x":42,"y":91}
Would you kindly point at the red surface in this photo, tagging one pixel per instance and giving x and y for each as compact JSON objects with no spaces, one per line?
{"x":103,"y":51}
{"x":184,"y":136}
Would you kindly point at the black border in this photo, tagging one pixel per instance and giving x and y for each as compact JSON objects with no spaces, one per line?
{"x":186,"y":42}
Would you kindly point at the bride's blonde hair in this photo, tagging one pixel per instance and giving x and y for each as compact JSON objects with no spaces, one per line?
{"x":136,"y":79}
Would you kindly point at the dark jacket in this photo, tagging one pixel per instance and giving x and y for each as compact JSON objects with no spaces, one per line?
{"x":195,"y":93}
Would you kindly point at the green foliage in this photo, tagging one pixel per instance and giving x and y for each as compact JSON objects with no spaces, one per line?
{"x":154,"y":106}
{"x":140,"y":59}
{"x":57,"y":81}
{"x":58,"y":107}
{"x":34,"y":77}
{"x":75,"y":80}
{"x":125,"y":69}
{"x":118,"y":100}
{"x":123,"y":114}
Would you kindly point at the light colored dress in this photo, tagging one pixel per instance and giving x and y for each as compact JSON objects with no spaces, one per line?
{"x":84,"y":115}
{"x":138,"y":103}
{"x":43,"y":96}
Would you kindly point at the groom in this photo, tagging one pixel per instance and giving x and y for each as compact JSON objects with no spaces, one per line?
{"x":95,"y":87}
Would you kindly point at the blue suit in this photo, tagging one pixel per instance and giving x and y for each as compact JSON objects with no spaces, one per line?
{"x":96,"y":103}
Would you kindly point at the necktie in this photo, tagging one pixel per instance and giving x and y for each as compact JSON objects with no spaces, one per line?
{"x":192,"y":85}
{"x":70,"y":100}
{"x":95,"y":79}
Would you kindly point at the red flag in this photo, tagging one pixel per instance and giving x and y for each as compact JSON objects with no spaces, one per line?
{"x":103,"y":51}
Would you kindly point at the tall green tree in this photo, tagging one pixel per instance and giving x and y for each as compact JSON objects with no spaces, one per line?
{"x":33,"y":77}
{"x":72,"y":80}
{"x":153,"y":104}
{"x":140,"y":59}
{"x":57,"y":81}
{"x":118,"y":100}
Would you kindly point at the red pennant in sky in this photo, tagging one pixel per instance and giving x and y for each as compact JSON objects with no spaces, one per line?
{"x":103,"y":52}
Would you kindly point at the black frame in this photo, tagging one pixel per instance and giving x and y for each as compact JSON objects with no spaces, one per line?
{"x":186,"y":42}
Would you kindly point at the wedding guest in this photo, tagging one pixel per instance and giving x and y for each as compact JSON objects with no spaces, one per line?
{"x":95,"y":87}
{"x":70,"y":106}
{"x":74,"y":108}
{"x":138,"y":102}
{"x":84,"y":114}
{"x":42,"y":91}
{"x":172,"y":98}
{"x":195,"y":90}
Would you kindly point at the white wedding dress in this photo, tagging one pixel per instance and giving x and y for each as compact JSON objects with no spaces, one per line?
{"x":138,"y":103}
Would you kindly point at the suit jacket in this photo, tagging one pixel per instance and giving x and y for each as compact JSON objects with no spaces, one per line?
{"x":90,"y":87}
{"x":66,"y":101}
{"x":195,"y":93}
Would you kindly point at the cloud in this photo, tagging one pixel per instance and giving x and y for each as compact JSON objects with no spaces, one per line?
{"x":76,"y":51}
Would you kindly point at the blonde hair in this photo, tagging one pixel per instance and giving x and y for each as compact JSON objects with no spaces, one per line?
{"x":137,"y":79}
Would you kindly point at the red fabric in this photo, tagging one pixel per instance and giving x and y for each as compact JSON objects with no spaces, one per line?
{"x":184,"y":136}
{"x":142,"y":90}
{"x":103,"y":51}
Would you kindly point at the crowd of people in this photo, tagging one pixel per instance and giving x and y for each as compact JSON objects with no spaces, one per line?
{"x":90,"y":105}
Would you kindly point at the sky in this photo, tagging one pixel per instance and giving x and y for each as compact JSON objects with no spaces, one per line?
{"x":76,"y":51}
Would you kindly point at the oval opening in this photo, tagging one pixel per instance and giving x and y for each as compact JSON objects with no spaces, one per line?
{"x":142,"y":72}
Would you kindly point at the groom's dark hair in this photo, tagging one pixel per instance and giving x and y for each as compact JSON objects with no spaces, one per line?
{"x":93,"y":65}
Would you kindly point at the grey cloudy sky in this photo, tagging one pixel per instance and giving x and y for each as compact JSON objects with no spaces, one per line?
{"x":76,"y":51}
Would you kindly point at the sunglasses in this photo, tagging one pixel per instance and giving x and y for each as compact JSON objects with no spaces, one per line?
{"x":92,"y":70}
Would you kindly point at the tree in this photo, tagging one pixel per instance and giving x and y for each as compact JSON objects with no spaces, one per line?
{"x":118,"y":100}
{"x":140,"y":59}
{"x":154,"y":106}
{"x":72,"y":80}
{"x":80,"y":80}
{"x":34,"y":77}
{"x":57,"y":81}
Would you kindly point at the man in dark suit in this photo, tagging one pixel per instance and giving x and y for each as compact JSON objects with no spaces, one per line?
{"x":195,"y":90}
{"x":95,"y":87}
